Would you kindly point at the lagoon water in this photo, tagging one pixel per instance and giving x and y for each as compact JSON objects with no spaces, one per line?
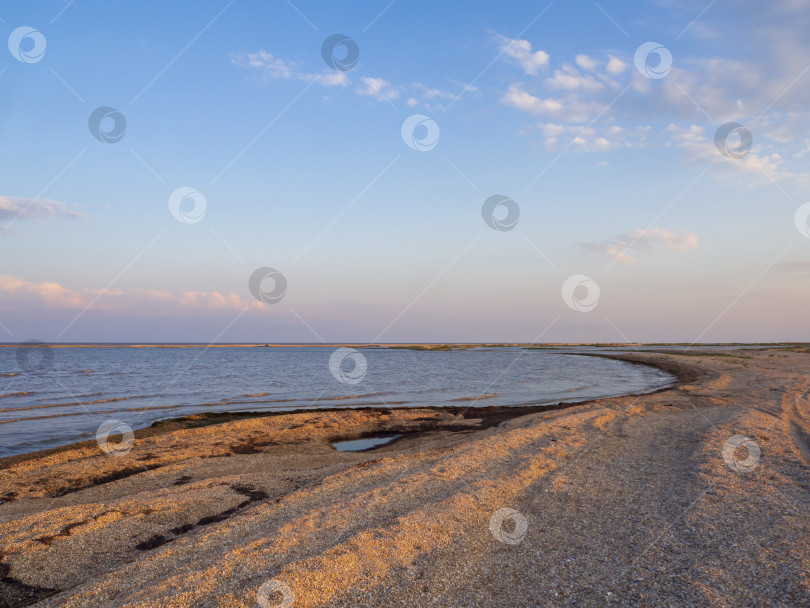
{"x":54,"y":396}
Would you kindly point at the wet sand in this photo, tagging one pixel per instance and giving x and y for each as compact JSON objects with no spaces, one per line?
{"x":626,"y":501}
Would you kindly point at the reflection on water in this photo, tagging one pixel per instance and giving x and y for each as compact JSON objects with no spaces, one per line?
{"x":367,"y":443}
{"x":84,"y":387}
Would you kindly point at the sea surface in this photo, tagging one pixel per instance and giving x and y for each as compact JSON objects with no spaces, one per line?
{"x":54,"y":396}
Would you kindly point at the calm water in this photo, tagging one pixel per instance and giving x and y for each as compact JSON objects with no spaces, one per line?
{"x":359,"y":445}
{"x":77,"y":389}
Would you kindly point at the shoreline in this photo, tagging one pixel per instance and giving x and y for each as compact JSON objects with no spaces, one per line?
{"x":682,"y":374}
{"x":627,"y":498}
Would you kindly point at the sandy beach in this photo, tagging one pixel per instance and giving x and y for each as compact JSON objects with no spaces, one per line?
{"x":632,"y":501}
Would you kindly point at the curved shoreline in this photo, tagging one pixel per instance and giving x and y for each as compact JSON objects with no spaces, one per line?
{"x":683,"y":374}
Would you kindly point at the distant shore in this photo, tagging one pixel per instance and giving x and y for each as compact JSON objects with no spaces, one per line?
{"x":416,"y":345}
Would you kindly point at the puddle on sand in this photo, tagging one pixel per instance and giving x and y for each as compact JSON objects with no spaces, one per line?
{"x":366,"y":443}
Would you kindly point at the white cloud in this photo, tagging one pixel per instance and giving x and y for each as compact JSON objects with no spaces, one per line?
{"x":703,"y":90}
{"x":572,"y":93}
{"x":434,"y":99}
{"x":586,"y":63}
{"x":568,"y":78}
{"x":335,"y":79}
{"x":378,"y":88}
{"x":615,"y":65}
{"x":569,"y":109}
{"x":272,"y":65}
{"x":438,"y":94}
{"x":522,"y":100}
{"x":643,"y":241}
{"x":531,"y":62}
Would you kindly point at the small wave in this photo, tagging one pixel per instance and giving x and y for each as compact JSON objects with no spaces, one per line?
{"x":255,"y":395}
{"x":68,"y":404}
{"x":40,"y":417}
{"x":21,"y":394}
{"x":488,"y":396}
{"x":584,"y":387}
{"x":83,"y":371}
{"x":344,"y":397}
{"x":97,"y":413}
{"x":9,"y":375}
{"x":110,"y":400}
{"x":234,"y":402}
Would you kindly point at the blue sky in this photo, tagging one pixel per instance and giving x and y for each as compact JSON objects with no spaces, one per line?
{"x":303,"y":168}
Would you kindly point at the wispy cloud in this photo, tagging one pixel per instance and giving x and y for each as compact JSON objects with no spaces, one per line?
{"x":14,"y":208}
{"x":567,"y":109}
{"x":757,"y":168}
{"x":35,"y":209}
{"x":19,"y":294}
{"x":267,"y":62}
{"x":272,"y":66}
{"x":644,"y":241}
{"x":379,"y":88}
{"x":569,"y":78}
{"x":573,"y":93}
{"x":766,"y":92}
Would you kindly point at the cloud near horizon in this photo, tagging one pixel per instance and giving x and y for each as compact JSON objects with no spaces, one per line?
{"x":643,"y":241}
{"x":18,"y":294}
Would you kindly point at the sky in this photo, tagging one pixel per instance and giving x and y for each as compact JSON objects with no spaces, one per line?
{"x":404,"y":171}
